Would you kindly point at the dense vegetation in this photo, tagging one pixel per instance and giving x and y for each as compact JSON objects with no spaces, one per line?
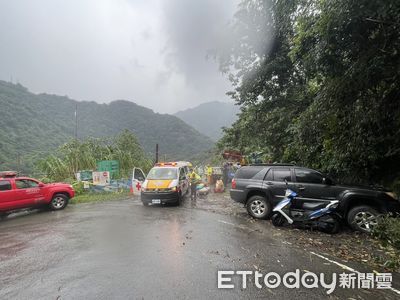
{"x":319,"y":84}
{"x":209,"y":118}
{"x":35,"y":125}
{"x":79,"y":155}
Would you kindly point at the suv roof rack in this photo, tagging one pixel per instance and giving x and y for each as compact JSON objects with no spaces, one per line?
{"x":277,"y":164}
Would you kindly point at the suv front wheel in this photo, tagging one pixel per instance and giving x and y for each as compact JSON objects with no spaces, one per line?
{"x":363,"y":218}
{"x":259,"y":207}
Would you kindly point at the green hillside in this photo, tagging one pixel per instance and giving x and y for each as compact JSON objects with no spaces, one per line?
{"x":209,"y":118}
{"x":32,"y":125}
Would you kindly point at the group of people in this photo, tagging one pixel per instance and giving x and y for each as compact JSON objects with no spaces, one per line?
{"x":221,"y":179}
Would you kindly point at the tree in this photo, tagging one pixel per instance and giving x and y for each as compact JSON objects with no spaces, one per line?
{"x":324,"y":89}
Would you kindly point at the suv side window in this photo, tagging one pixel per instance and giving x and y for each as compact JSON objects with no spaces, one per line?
{"x":5,"y":185}
{"x":308,"y":176}
{"x":282,"y":174}
{"x":248,"y":172}
{"x":268,"y":176}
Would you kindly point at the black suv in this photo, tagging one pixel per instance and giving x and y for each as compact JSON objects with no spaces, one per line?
{"x":261,"y":187}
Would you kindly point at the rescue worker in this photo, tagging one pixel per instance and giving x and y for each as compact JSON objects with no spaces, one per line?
{"x":194,"y":179}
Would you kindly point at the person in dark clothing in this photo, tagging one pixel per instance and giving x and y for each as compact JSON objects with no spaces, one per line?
{"x":225,"y":174}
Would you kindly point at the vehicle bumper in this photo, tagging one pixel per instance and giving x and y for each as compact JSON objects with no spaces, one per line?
{"x":164,"y":197}
{"x":238,"y":195}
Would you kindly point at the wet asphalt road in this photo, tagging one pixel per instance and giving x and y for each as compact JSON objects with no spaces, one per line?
{"x":123,"y":250}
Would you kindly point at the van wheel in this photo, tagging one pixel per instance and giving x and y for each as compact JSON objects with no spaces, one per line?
{"x":59,"y":201}
{"x":179,"y":201}
{"x":363,"y":218}
{"x":258,"y":207}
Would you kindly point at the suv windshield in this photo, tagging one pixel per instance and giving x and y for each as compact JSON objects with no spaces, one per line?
{"x":163,"y":173}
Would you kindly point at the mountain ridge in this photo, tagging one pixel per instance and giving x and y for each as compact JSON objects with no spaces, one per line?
{"x":35,"y":124}
{"x":208,"y":118}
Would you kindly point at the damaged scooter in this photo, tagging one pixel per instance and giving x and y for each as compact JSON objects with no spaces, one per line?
{"x":318,"y":216}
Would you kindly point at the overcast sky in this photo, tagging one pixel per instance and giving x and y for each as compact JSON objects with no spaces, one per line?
{"x":152,"y":52}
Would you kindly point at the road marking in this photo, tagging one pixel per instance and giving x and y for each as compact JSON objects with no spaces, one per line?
{"x":347,"y":268}
{"x":226,"y":222}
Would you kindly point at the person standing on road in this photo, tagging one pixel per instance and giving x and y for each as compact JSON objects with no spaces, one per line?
{"x":225,"y":173}
{"x":194,"y":179}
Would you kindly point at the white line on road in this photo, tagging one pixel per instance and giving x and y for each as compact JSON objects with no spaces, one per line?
{"x":346,"y":268}
{"x":226,"y":222}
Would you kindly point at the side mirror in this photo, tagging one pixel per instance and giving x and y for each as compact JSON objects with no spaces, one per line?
{"x":327,"y":181}
{"x":41,"y":184}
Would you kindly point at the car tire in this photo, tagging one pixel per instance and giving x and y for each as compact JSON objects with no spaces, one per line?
{"x":3,"y":215}
{"x":259,"y":207}
{"x":58,"y":202}
{"x":363,"y":218}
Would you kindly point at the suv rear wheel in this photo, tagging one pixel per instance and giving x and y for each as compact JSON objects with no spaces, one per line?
{"x":363,"y":218}
{"x":259,"y":207}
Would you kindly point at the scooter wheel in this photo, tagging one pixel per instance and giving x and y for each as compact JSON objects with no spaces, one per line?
{"x":277,"y":220}
{"x":331,"y":226}
{"x":335,"y":227}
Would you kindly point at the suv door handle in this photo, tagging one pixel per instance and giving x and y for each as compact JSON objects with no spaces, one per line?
{"x":301,"y":188}
{"x":269,"y":183}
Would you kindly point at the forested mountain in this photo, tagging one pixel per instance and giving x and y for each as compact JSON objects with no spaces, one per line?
{"x":32,"y":125}
{"x":318,"y":83}
{"x":208,"y":118}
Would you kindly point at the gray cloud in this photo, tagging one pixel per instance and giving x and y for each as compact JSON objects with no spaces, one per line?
{"x":151,"y":52}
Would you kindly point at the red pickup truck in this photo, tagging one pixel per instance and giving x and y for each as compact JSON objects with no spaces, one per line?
{"x":23,"y":192}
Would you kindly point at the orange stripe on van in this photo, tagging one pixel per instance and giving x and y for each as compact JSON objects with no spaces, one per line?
{"x":158,"y":184}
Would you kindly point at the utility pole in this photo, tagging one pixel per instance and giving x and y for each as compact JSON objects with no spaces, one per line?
{"x":76,"y":121}
{"x":18,"y":163}
{"x":156,"y":153}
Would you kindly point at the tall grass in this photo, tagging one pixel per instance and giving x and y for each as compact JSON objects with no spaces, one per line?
{"x":77,"y":155}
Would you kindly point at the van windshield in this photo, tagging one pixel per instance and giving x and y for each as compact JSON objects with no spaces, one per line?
{"x":163,"y":173}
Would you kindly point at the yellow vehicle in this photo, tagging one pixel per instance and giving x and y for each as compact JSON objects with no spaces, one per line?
{"x":167,"y":182}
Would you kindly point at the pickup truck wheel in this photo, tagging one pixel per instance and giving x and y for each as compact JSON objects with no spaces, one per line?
{"x":59,"y":201}
{"x":259,"y":207}
{"x":362,"y":218}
